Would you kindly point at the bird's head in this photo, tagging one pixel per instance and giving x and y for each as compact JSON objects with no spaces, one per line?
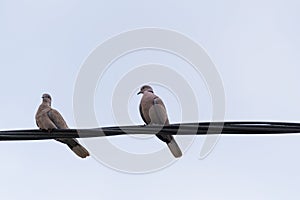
{"x":47,"y":98}
{"x":145,"y":88}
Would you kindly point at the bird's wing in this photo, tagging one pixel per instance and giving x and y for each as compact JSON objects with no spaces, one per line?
{"x":159,"y":116}
{"x":57,"y":119}
{"x":158,"y":112}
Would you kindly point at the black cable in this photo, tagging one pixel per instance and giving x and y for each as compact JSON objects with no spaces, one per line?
{"x":231,"y":127}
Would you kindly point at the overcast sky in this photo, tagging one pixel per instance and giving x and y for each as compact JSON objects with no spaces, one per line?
{"x":254,"y":46}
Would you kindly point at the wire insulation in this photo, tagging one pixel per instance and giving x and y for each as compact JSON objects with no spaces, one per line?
{"x":202,"y":128}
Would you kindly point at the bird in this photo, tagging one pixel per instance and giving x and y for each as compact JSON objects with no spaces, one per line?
{"x":48,"y":119}
{"x":153,"y":111}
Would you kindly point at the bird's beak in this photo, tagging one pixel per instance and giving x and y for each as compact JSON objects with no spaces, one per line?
{"x":140,"y":92}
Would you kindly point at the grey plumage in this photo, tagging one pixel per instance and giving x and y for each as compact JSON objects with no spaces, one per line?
{"x":153,"y":111}
{"x":49,"y":119}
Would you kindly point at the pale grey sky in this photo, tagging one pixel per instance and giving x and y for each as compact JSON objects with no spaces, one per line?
{"x":254,"y":45}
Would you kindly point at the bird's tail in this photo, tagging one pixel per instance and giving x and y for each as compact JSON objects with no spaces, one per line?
{"x":174,"y":148}
{"x":172,"y":144}
{"x":77,"y":148}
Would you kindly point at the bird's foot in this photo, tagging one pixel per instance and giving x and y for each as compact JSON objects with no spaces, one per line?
{"x":50,"y":130}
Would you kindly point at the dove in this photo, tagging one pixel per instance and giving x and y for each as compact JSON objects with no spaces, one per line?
{"x":48,"y":119}
{"x":153,"y":111}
